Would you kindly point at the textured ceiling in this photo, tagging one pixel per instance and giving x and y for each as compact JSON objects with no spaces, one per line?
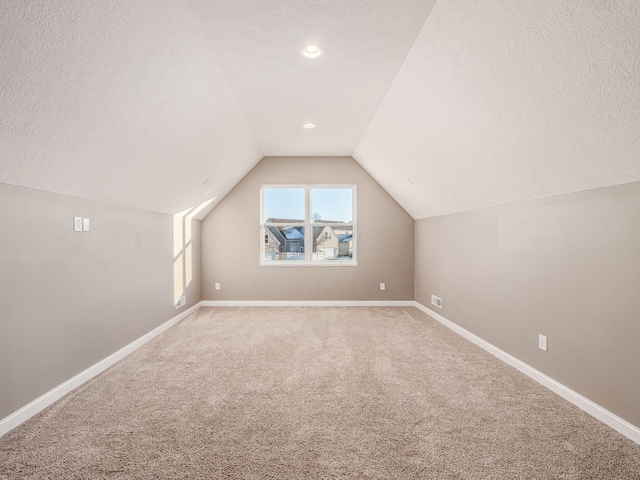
{"x":163,"y":105}
{"x":258,"y":45}
{"x":117,"y":101}
{"x":503,"y":101}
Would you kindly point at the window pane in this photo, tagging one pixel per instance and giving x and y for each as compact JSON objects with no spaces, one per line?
{"x":332,"y":205}
{"x":332,"y":243}
{"x":283,"y":243}
{"x":283,"y":205}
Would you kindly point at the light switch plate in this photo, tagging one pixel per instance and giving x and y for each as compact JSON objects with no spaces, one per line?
{"x":77,"y":224}
{"x":85,"y":224}
{"x":542,"y":342}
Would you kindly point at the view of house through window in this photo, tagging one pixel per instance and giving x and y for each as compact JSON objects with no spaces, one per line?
{"x":308,"y":224}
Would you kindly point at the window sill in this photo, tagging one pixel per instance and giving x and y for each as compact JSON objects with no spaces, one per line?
{"x":301,"y":263}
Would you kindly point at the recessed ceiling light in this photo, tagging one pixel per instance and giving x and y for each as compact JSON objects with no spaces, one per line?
{"x":312,"y":51}
{"x":309,"y":125}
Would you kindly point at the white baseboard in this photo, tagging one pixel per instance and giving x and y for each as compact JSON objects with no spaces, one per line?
{"x":308,"y":303}
{"x":625,"y":428}
{"x":42,"y":402}
{"x":619,"y":424}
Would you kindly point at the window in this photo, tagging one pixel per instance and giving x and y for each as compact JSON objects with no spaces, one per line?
{"x":308,"y":225}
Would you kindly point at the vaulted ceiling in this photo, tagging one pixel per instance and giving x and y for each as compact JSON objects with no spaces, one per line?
{"x":451,"y":105}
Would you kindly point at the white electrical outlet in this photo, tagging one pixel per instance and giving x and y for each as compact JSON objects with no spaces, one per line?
{"x":85,"y":224}
{"x":181,"y":301}
{"x":437,"y":301}
{"x":217,"y":285}
{"x":77,"y":224}
{"x":542,"y":342}
{"x":382,"y":286}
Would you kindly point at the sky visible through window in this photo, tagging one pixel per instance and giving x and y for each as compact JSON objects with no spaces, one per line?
{"x":331,"y":204}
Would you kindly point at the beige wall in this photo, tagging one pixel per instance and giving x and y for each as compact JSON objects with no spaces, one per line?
{"x":231,"y":239}
{"x":566,"y":266}
{"x":70,"y":299}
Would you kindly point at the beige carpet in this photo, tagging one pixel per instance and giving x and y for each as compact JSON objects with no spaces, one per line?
{"x":312,"y":393}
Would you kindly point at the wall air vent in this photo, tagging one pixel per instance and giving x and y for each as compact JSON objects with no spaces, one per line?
{"x":437,"y":301}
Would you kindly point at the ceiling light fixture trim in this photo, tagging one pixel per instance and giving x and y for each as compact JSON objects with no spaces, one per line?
{"x":312,"y":51}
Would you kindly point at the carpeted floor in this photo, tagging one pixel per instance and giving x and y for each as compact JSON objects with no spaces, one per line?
{"x":314,"y":392}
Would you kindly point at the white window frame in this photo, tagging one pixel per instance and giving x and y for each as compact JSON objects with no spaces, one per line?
{"x":308,"y":225}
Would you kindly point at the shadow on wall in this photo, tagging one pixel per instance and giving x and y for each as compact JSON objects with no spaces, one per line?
{"x":183,"y":249}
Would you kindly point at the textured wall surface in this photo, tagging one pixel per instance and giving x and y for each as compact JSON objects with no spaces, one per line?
{"x":70,"y":299}
{"x":565,"y":267}
{"x":503,"y":101}
{"x":117,"y":101}
{"x":231,"y":240}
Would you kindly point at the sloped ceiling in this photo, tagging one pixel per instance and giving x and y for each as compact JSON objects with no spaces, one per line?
{"x":163,"y":105}
{"x":258,"y":45}
{"x":502,"y":101}
{"x":117,"y":101}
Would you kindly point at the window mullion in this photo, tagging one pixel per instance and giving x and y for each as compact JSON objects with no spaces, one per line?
{"x":308,"y":237}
